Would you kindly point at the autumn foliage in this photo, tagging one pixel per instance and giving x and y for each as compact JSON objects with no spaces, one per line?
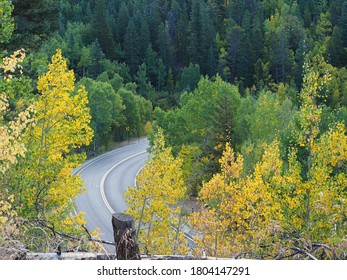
{"x":61,"y":125}
{"x":286,"y":201}
{"x":155,"y":203}
{"x":37,"y":154}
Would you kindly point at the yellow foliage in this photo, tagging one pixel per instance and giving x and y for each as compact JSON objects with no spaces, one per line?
{"x":276,"y":202}
{"x":240,"y":209}
{"x":10,"y":64}
{"x":154,"y":204}
{"x":280,"y":204}
{"x":11,"y":133}
{"x":62,"y":120}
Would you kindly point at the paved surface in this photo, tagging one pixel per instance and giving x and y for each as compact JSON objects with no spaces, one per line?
{"x":106,"y":179}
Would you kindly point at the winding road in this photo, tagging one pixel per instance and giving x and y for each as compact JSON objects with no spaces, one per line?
{"x":106,"y":179}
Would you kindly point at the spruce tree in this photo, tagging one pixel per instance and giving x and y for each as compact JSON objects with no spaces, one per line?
{"x":97,"y":56}
{"x":132,"y":46}
{"x":35,"y":22}
{"x":102,"y":29}
{"x":122,"y":21}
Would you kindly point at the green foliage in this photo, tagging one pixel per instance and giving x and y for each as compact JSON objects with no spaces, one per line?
{"x":35,"y":22}
{"x":102,"y":29}
{"x":181,"y":55}
{"x":137,"y":111}
{"x":206,"y":118}
{"x":106,"y":108}
{"x":280,"y":202}
{"x":6,"y":25}
{"x":189,"y":78}
{"x":255,"y":45}
{"x":132,"y":45}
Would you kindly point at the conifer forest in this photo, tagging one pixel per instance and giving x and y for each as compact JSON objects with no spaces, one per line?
{"x":244,"y":104}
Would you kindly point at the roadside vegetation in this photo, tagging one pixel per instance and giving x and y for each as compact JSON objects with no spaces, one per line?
{"x":244,"y":103}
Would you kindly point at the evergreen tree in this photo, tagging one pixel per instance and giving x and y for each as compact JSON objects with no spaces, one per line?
{"x":336,"y":52}
{"x":343,"y":23}
{"x":235,"y":36}
{"x":212,"y":61}
{"x":102,"y":29}
{"x":161,"y":75}
{"x":97,"y":56}
{"x":170,"y":82}
{"x":132,"y":46}
{"x":144,"y":87}
{"x":151,"y":58}
{"x":163,"y":43}
{"x":144,"y":34}
{"x":201,"y":34}
{"x":279,"y":54}
{"x":35,"y":22}
{"x":181,"y":35}
{"x":247,"y":56}
{"x":195,"y":32}
{"x":123,"y":18}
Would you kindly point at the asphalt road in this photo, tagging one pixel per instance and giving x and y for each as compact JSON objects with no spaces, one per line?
{"x":106,"y":179}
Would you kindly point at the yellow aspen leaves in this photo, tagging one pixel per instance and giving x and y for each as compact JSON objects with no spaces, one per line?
{"x":11,"y":63}
{"x":11,"y":145}
{"x":155,"y":202}
{"x":239,"y":211}
{"x":61,"y":124}
{"x":288,"y":197}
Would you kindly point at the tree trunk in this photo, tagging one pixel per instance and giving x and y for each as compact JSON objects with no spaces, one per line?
{"x":125,"y":237}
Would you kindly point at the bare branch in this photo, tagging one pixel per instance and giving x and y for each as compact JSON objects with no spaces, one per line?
{"x":62,"y":234}
{"x":302,"y":251}
{"x":320,"y":245}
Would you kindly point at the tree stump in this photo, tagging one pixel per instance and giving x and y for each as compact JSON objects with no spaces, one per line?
{"x":125,"y":237}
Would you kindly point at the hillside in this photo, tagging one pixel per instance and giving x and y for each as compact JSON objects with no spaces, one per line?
{"x":244,"y":104}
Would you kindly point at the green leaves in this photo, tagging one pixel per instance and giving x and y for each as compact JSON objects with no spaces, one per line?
{"x":290,"y":195}
{"x":6,"y":24}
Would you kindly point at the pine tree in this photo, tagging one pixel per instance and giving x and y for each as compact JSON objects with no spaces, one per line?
{"x":195,"y":32}
{"x":212,"y":65}
{"x":181,"y":35}
{"x":150,"y":59}
{"x":163,"y":43}
{"x":123,"y":18}
{"x":170,"y":82}
{"x":102,"y":29}
{"x":132,"y":47}
{"x":343,"y":23}
{"x":235,"y":36}
{"x":144,"y":34}
{"x":335,"y":49}
{"x":97,"y":57}
{"x":201,"y":34}
{"x":35,"y":22}
{"x":144,"y":87}
{"x":279,"y":54}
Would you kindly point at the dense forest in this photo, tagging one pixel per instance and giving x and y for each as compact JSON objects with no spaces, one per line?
{"x":244,"y":103}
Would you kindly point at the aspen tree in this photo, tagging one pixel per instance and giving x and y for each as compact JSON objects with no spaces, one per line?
{"x":155,"y":203}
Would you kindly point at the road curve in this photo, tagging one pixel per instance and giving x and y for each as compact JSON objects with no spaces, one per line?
{"x":106,"y":178}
